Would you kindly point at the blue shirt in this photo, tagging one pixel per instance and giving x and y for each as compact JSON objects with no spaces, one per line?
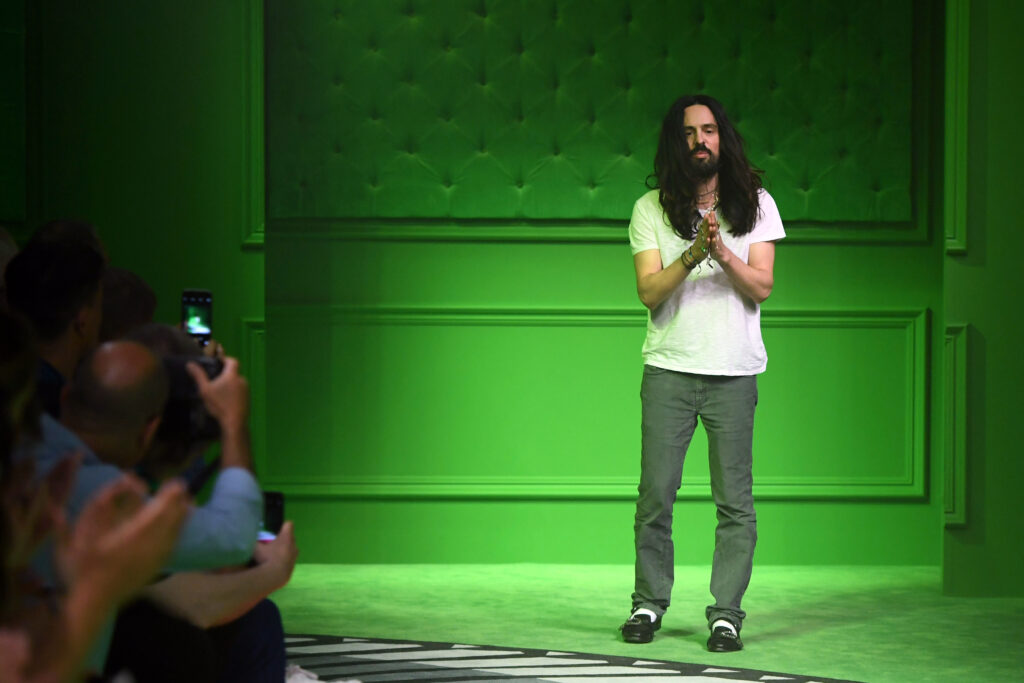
{"x":219,"y":534}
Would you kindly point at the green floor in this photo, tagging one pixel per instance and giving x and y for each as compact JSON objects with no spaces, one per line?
{"x":873,"y":624}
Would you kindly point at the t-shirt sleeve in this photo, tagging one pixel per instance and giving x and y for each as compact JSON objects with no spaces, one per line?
{"x":769,"y":224}
{"x":641,"y":227}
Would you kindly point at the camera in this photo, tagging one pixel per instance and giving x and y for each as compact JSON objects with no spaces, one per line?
{"x":185,"y":418}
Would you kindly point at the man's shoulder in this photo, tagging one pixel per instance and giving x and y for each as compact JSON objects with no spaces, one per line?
{"x":649,"y":200}
{"x":765,"y":199}
{"x":56,"y":443}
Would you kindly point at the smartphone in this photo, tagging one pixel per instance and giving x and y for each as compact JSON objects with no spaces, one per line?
{"x":273,"y":515}
{"x":197,"y":314}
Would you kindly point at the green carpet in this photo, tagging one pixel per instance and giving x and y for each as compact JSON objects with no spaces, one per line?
{"x":874,"y":624}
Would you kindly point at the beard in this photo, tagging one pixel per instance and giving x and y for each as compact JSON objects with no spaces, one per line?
{"x":704,"y":169}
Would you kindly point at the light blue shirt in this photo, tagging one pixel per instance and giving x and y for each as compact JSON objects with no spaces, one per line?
{"x":220,"y":533}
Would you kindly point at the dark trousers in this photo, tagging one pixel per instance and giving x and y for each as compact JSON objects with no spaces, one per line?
{"x":156,"y":647}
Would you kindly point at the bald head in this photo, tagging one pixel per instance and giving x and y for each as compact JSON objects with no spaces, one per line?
{"x":116,"y":391}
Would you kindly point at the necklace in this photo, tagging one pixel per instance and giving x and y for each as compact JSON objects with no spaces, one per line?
{"x":714,"y":201}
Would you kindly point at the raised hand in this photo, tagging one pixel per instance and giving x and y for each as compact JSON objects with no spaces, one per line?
{"x":279,"y":554}
{"x":33,"y":507}
{"x":226,"y":396}
{"x":121,"y":540}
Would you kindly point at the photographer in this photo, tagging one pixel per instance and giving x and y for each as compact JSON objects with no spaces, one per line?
{"x":112,"y":411}
{"x":223,"y":619}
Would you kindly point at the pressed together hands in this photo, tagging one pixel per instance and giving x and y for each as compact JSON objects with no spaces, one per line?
{"x":708,"y":242}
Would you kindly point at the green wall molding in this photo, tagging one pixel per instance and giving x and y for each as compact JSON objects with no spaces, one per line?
{"x":252,"y":123}
{"x":958,"y":14}
{"x":585,"y":231}
{"x":954,"y":472}
{"x":908,"y":482}
{"x":253,"y":365}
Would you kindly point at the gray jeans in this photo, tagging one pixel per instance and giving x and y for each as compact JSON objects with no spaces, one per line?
{"x":671,"y":402}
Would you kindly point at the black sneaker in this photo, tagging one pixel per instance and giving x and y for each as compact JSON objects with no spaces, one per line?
{"x":639,"y":628}
{"x":723,"y":639}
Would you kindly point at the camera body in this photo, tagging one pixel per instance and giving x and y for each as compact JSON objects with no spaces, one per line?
{"x":185,"y":418}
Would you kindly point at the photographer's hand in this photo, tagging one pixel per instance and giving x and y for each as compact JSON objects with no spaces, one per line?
{"x":214,"y":349}
{"x":278,"y":556}
{"x":226,"y":397}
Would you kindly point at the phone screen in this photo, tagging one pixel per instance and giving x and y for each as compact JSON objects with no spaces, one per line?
{"x":197,"y":313}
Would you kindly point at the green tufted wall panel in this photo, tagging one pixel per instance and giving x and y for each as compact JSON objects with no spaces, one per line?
{"x":549,"y":109}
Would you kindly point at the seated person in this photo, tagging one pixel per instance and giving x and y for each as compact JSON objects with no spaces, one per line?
{"x":116,"y":546}
{"x":114,"y":406}
{"x":56,"y":287}
{"x":223,"y":618}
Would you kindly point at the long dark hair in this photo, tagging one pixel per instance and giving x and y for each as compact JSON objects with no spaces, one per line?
{"x":676,"y":181}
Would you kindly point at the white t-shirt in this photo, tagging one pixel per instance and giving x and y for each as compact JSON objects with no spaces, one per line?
{"x":705,"y":326}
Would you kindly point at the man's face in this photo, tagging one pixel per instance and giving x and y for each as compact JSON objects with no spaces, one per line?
{"x":701,"y":132}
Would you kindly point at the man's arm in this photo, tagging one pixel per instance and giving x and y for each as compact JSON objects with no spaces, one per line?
{"x":226,"y":397}
{"x":654,"y":283}
{"x":223,"y":532}
{"x":211,"y":599}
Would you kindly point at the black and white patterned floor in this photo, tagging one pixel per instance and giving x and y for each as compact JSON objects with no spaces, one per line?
{"x":370,"y":660}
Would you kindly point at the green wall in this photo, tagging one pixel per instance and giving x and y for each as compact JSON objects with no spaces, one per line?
{"x":426,"y":405}
{"x":145,"y":120}
{"x":448,"y":275}
{"x":983,"y":552}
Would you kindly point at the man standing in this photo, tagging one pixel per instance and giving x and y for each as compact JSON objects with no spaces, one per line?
{"x":703,"y":248}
